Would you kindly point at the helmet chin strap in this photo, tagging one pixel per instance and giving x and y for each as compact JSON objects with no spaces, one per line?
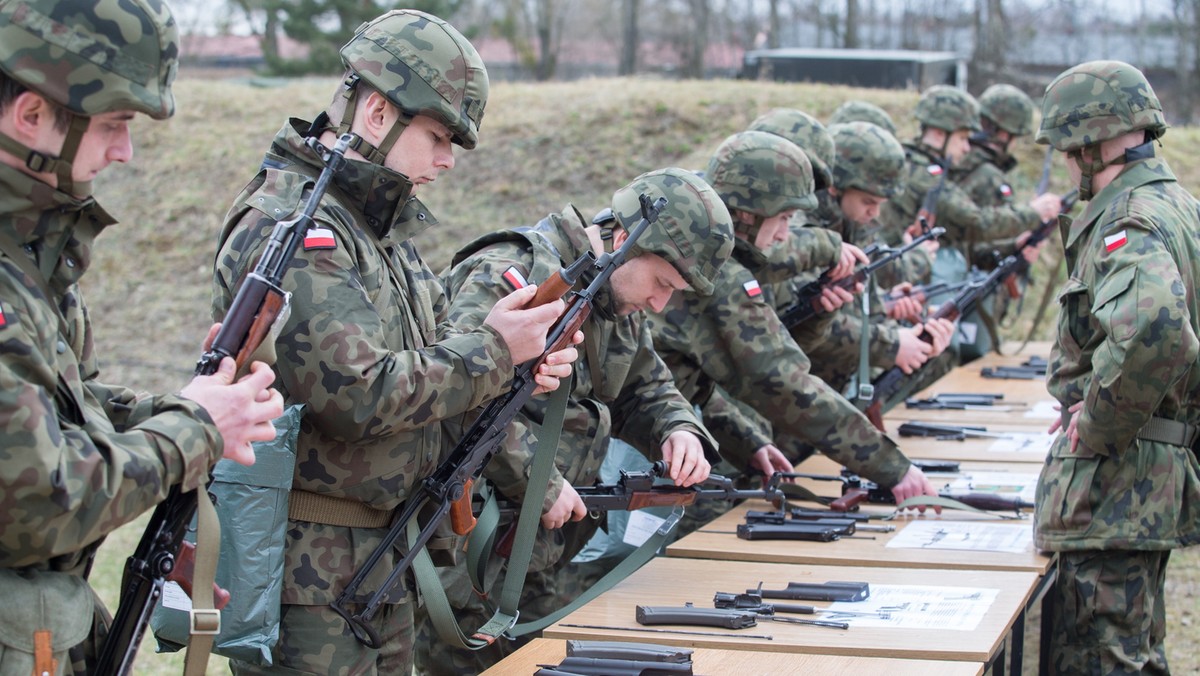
{"x":1094,"y":164}
{"x":750,"y":230}
{"x":373,"y":154}
{"x":61,"y":166}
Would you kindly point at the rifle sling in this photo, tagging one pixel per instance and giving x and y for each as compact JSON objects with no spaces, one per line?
{"x":321,"y":508}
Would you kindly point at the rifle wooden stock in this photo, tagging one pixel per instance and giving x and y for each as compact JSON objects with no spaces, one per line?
{"x":462,"y":519}
{"x":272,"y":305}
{"x":185,"y":570}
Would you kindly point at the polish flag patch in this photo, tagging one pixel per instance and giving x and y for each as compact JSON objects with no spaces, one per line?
{"x":3,"y":318}
{"x":1114,"y":242}
{"x":319,"y":238}
{"x":935,"y":169}
{"x":752,"y":288}
{"x":1005,"y":190}
{"x":515,"y":279}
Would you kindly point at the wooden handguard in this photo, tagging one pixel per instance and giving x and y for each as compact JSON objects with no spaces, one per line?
{"x":271,"y":307}
{"x":184,"y":571}
{"x":550,"y":290}
{"x":462,"y":519}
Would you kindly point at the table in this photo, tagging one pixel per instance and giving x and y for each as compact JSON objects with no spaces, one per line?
{"x":1013,"y":443}
{"x":673,"y":581}
{"x":716,"y":661}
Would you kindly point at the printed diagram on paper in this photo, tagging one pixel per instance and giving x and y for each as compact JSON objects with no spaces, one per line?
{"x":1044,"y":410}
{"x":916,"y":607}
{"x":967,"y":535}
{"x":1021,"y":485}
{"x":1035,"y":443}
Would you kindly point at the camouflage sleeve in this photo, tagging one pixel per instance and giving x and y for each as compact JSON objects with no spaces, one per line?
{"x":807,"y":249}
{"x":649,"y":407}
{"x":966,"y":221}
{"x":67,"y":483}
{"x":751,"y":355}
{"x":473,"y":287}
{"x":737,"y":428}
{"x":1140,"y":306}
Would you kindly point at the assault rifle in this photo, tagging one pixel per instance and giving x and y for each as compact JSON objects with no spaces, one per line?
{"x":958,"y":402}
{"x":1039,"y":234}
{"x":161,"y":554}
{"x":1032,"y":369}
{"x":259,"y":302}
{"x":948,"y":432}
{"x":447,"y":492}
{"x":856,"y":490}
{"x":808,"y":297}
{"x":730,"y":618}
{"x":615,"y":658}
{"x":927,"y":214}
{"x":887,"y":385}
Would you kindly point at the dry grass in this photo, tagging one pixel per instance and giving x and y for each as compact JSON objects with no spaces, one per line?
{"x":543,"y":146}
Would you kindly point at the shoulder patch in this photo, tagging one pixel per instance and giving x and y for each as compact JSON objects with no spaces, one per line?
{"x":752,"y":288}
{"x":3,"y":317}
{"x":514,"y":278}
{"x":934,"y":169}
{"x":319,"y":238}
{"x":1005,"y":190}
{"x":1115,"y":241}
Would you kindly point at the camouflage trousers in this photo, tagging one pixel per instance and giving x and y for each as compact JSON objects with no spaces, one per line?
{"x":316,"y":640}
{"x":1109,"y":613}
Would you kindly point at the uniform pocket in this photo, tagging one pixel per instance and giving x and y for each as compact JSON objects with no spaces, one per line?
{"x":1065,"y":498}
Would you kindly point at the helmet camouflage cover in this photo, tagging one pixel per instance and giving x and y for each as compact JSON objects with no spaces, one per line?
{"x":93,"y":57}
{"x":855,"y":111}
{"x":761,"y":174}
{"x":948,"y":108}
{"x":424,"y":66}
{"x":1010,"y":108}
{"x":868,"y":158}
{"x":693,"y":232}
{"x":1098,"y":101}
{"x":805,"y":131}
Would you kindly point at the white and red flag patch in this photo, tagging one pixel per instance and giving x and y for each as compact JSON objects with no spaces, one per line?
{"x":935,"y":169}
{"x":1005,"y":190}
{"x":515,"y":279}
{"x":319,"y":238}
{"x":752,"y":288}
{"x":3,"y":319}
{"x":1114,"y":242}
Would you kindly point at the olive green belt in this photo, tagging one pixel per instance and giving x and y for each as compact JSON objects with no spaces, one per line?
{"x":1167,"y":431}
{"x":320,"y":508}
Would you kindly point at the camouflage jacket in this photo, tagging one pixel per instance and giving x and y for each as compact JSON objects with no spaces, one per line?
{"x":794,"y":262}
{"x":1128,"y":340}
{"x":966,"y":222}
{"x":982,"y":174}
{"x":365,"y":347}
{"x":733,"y":339}
{"x":80,"y":458}
{"x":915,"y":266}
{"x":621,"y":388}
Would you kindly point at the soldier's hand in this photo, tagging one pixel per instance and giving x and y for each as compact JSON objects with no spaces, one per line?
{"x":942,"y":331}
{"x":904,"y":306}
{"x":849,"y":259}
{"x":833,"y":297}
{"x":568,"y":507}
{"x":684,"y":455}
{"x":769,"y":460}
{"x":914,"y":483}
{"x":1047,"y":205}
{"x":557,"y":366}
{"x":1031,"y":254}
{"x":1072,"y":430}
{"x":912,"y":351}
{"x":242,"y":410}
{"x":523,"y":329}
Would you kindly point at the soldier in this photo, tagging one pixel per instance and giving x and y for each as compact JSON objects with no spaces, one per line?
{"x":947,"y":116}
{"x":733,"y":338}
{"x":862,"y":111}
{"x":83,"y":458}
{"x":1121,"y":485}
{"x":867,"y":171}
{"x":620,"y":388}
{"x":366,"y":347}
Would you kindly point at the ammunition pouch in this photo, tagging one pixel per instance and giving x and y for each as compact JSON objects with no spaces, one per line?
{"x":44,"y":615}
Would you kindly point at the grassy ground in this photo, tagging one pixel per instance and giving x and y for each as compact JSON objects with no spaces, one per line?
{"x":542,"y":146}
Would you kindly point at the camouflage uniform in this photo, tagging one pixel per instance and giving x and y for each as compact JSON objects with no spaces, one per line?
{"x":621,"y":387}
{"x":733,"y":339}
{"x":1126,"y":346}
{"x":81,"y":458}
{"x":366,"y":347}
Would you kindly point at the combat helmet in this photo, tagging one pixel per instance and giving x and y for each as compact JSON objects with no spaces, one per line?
{"x":855,"y":111}
{"x":91,"y":58}
{"x":1008,"y":108}
{"x":805,"y":131}
{"x":424,"y":66}
{"x":948,"y":108}
{"x":1094,"y":102}
{"x":694,"y":231}
{"x":761,"y":174}
{"x":868,"y":158}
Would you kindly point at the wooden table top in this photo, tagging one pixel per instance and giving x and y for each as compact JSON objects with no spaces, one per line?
{"x":716,"y":661}
{"x":668,"y":581}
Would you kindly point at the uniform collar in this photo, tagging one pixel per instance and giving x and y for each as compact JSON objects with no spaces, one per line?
{"x":24,"y":198}
{"x":1134,"y":175}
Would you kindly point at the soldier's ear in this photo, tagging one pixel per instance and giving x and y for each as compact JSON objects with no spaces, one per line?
{"x":619,"y":236}
{"x":28,"y":114}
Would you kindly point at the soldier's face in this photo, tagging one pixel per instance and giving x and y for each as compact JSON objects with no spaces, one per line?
{"x":959,"y":145}
{"x":423,"y":151}
{"x":861,"y":207}
{"x":105,"y":141}
{"x":645,"y":282}
{"x":774,"y":230}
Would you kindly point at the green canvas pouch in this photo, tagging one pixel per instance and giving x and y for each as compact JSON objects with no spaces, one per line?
{"x":252,"y":504}
{"x":41,"y":601}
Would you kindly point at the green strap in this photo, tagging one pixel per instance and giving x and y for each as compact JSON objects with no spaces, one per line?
{"x":204,"y":619}
{"x":865,"y":390}
{"x":482,"y":540}
{"x":946,"y":503}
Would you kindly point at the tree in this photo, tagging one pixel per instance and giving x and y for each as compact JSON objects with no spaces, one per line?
{"x":697,"y":43}
{"x":629,"y":37}
{"x":850,"y":35}
{"x":991,"y":43}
